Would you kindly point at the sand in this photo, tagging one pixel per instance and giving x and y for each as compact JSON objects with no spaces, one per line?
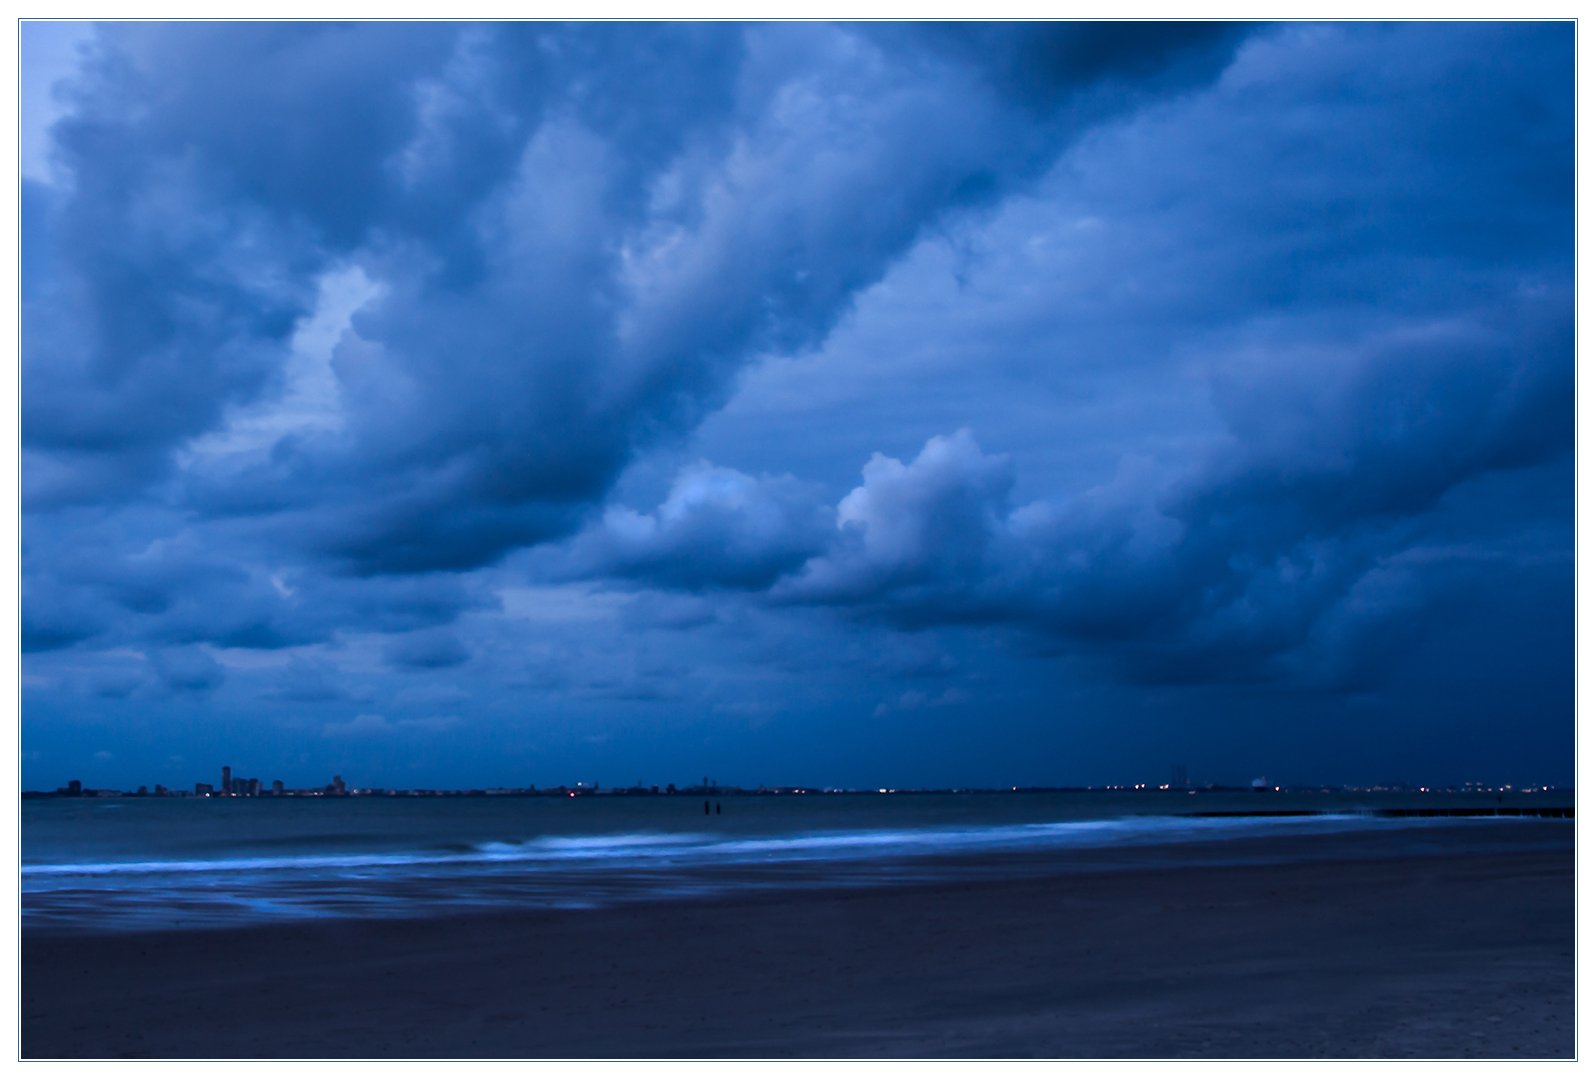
{"x":1445,"y":955}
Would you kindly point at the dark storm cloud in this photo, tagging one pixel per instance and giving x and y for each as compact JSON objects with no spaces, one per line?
{"x":1318,"y":522}
{"x":1400,"y":333}
{"x":1044,"y":65}
{"x":575,"y":260}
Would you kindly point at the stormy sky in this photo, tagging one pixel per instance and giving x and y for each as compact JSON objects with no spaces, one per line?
{"x":852,"y":405}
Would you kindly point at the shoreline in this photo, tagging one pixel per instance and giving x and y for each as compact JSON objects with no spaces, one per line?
{"x":1448,"y":954}
{"x":233,"y":896}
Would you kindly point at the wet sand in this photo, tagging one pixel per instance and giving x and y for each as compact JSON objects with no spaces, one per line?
{"x":1443,"y":955}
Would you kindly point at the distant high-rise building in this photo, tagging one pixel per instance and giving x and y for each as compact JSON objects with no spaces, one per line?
{"x":277,"y":787}
{"x":74,"y":787}
{"x":227,"y":779}
{"x":1178,"y":776}
{"x":254,"y":786}
{"x":203,"y":789}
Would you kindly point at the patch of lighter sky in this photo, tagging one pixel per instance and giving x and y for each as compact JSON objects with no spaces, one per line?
{"x":311,"y":400}
{"x":47,"y":52}
{"x":562,"y":604}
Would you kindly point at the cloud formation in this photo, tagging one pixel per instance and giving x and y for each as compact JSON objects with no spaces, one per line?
{"x":1332,"y":478}
{"x":367,"y":300}
{"x":568,"y":263}
{"x":744,"y":370}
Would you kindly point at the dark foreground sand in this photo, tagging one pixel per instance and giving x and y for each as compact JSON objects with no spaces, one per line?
{"x":1448,"y":955}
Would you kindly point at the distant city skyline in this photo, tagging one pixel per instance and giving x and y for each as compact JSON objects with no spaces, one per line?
{"x":862,"y":404}
{"x":238,"y":786}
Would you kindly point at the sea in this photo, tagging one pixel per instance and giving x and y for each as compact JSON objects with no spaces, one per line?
{"x":97,"y":865}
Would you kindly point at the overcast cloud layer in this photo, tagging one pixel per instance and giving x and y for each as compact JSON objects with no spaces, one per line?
{"x":797,"y":403}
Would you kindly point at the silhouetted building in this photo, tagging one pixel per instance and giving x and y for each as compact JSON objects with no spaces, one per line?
{"x":203,"y":789}
{"x":74,"y":787}
{"x":227,"y":779}
{"x":277,"y":787}
{"x":1178,"y":776}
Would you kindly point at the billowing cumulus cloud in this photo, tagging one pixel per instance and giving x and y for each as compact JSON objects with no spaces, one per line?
{"x":718,"y":527}
{"x":1323,"y":498}
{"x":928,"y":523}
{"x":791,"y":371}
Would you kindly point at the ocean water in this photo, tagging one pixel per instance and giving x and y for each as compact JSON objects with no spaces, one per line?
{"x":129,"y":863}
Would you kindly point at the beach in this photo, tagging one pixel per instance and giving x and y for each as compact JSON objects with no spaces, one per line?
{"x":1314,"y":952}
